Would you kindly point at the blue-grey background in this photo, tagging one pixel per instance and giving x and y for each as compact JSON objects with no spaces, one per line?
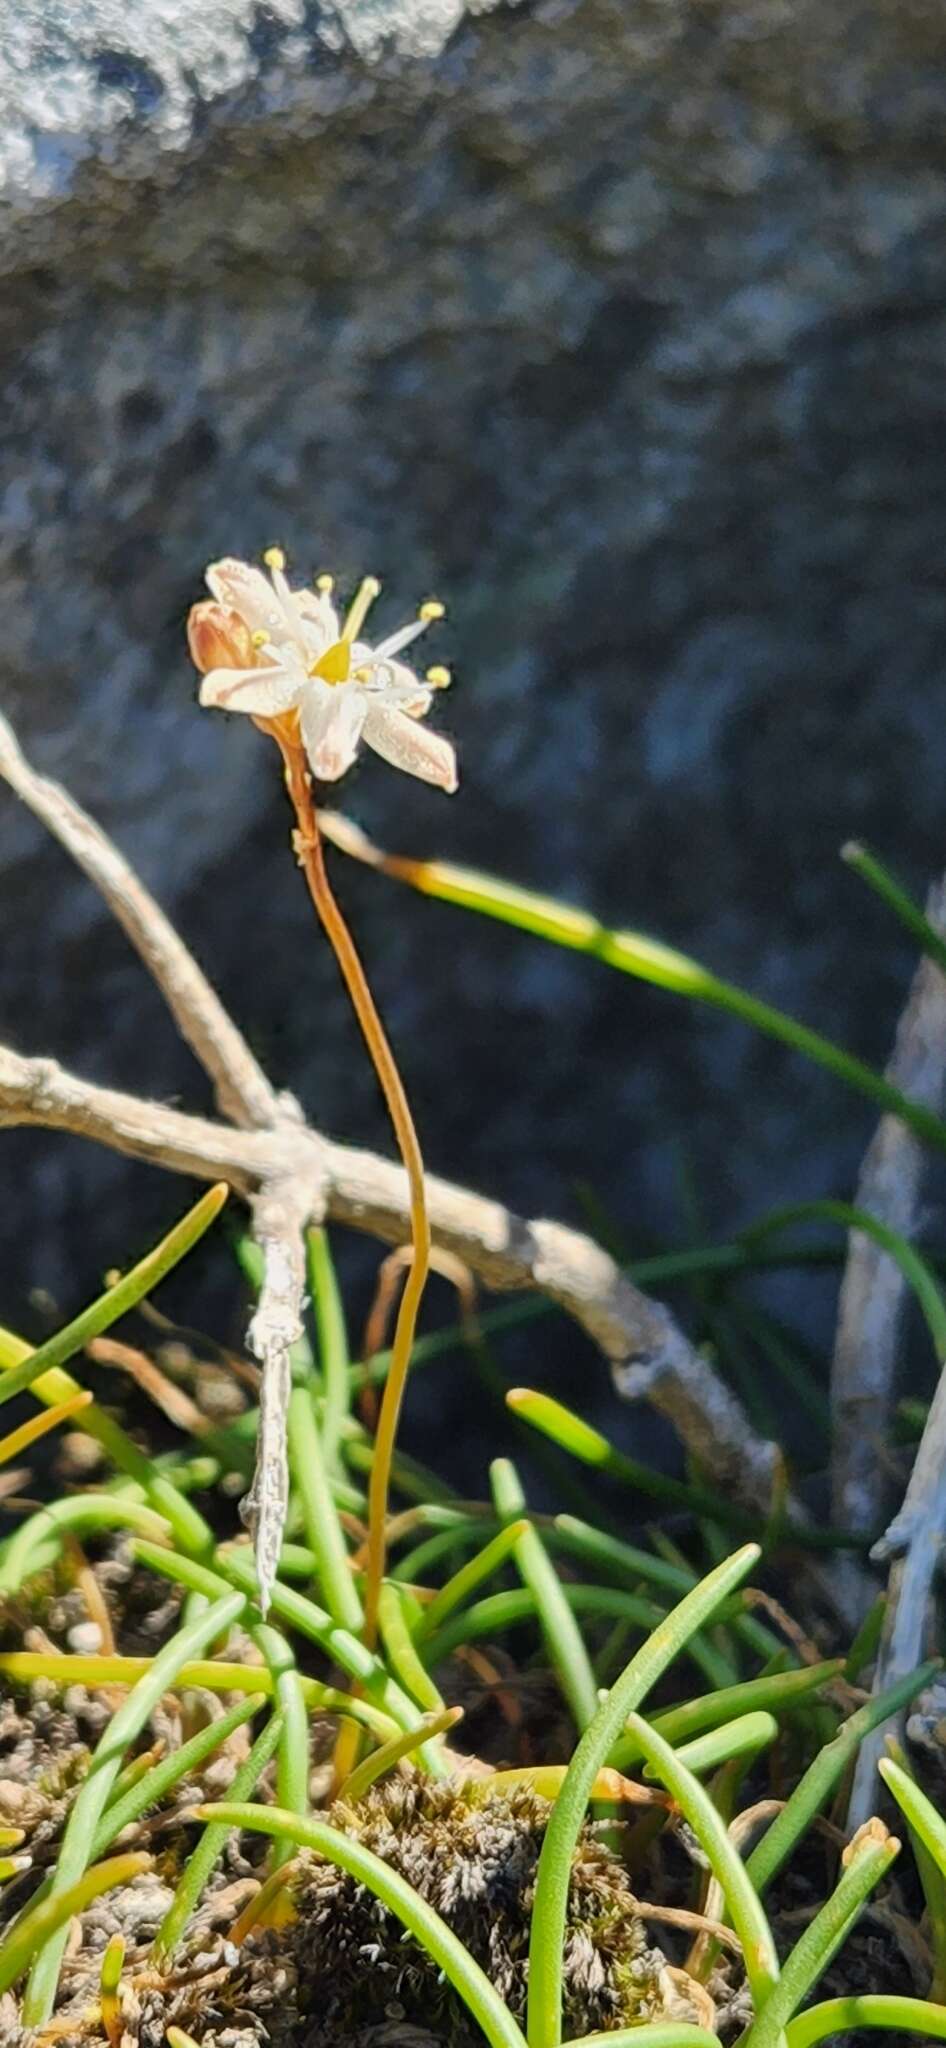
{"x":621,"y":326}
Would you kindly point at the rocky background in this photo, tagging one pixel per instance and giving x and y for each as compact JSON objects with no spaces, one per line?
{"x":619,"y":324}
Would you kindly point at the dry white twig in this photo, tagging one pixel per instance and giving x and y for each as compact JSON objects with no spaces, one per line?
{"x":649,"y":1353}
{"x":281,"y":1211}
{"x":290,"y":1175}
{"x":874,"y":1291}
{"x":913,"y":1546}
{"x":874,"y":1297}
{"x":242,"y":1090}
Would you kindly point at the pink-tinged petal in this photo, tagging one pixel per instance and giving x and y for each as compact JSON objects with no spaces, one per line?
{"x":247,"y":591}
{"x":318,"y":610}
{"x":397,"y":739}
{"x":391,"y":679}
{"x":331,"y":721}
{"x":263,"y":692}
{"x":405,"y":689}
{"x":218,"y":638}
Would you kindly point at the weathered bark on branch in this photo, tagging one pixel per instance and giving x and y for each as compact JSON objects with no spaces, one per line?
{"x":290,"y":1174}
{"x":874,"y":1291}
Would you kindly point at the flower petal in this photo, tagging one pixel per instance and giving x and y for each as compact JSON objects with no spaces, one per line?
{"x":317,"y":610}
{"x":397,"y":739}
{"x":332,"y":719}
{"x":247,"y":591}
{"x":263,"y":692}
{"x":218,"y":638}
{"x":392,"y":679}
{"x":405,"y":690}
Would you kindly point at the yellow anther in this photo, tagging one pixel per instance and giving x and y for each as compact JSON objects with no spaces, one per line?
{"x":274,"y":558}
{"x":433,"y":609}
{"x":439,"y":678}
{"x":326,"y":584}
{"x":260,"y":637}
{"x":358,"y":610}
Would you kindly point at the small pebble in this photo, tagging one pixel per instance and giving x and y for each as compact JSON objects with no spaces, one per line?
{"x":78,"y":1455}
{"x":85,"y":1638}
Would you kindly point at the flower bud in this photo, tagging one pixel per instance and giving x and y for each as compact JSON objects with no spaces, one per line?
{"x":219,"y":638}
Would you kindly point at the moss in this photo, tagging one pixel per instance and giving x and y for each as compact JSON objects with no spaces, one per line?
{"x":343,"y":1973}
{"x":346,"y":1967}
{"x":45,"y":1745}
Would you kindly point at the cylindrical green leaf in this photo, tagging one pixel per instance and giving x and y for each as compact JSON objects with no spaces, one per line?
{"x":468,"y":1980}
{"x":546,"y":1948}
{"x":92,"y":1796}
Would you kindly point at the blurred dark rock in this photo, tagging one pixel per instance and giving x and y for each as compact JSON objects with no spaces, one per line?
{"x":620,"y":324}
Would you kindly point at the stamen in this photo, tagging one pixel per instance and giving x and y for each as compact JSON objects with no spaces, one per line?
{"x":433,"y":609}
{"x":274,"y":558}
{"x":334,"y":664}
{"x":439,"y":678}
{"x":359,"y":608}
{"x":325,"y":584}
{"x":260,"y":637}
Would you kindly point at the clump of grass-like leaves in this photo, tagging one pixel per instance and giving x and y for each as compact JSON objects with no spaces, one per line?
{"x":611,"y":1620}
{"x":578,"y":1589}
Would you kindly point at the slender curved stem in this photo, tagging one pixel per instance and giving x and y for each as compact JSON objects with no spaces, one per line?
{"x":869,"y":2009}
{"x":553,"y":1877}
{"x":312,"y":861}
{"x":487,"y":2009}
{"x":103,"y":1769}
{"x":667,"y":2034}
{"x":742,"y":1901}
{"x":39,"y":1924}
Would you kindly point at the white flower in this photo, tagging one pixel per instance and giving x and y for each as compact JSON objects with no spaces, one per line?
{"x":344,"y":691}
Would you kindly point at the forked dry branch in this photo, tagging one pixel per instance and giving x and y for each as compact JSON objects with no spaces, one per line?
{"x":291,"y":1175}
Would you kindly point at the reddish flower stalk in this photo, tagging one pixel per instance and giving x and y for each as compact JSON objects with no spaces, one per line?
{"x":308,"y":844}
{"x":285,"y":658}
